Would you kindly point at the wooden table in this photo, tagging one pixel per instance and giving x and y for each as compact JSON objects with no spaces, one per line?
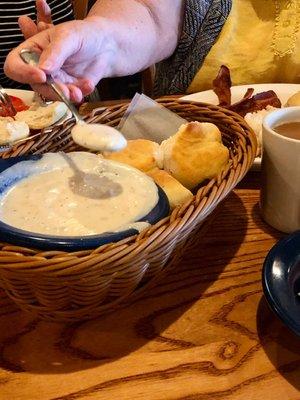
{"x":205,"y":333}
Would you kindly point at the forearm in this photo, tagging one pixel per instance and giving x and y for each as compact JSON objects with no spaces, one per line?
{"x":142,"y":32}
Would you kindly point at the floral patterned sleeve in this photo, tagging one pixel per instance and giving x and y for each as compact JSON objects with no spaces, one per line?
{"x":203,"y":22}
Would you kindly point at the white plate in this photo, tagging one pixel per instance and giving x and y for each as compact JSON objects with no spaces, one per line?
{"x":27,"y":96}
{"x":283,"y":91}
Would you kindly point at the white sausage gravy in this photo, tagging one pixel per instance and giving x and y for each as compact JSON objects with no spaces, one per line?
{"x":57,"y":199}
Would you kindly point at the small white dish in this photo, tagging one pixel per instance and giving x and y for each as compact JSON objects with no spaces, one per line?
{"x":28,"y":97}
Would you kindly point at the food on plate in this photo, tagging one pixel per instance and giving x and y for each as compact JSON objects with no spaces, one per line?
{"x":139,"y":153}
{"x":249,"y":103}
{"x":255,"y":121}
{"x":194,"y":153}
{"x":42,"y":117}
{"x":43,"y":200}
{"x":16,"y":126}
{"x":294,"y":100}
{"x":177,"y":194}
{"x":11,"y":130}
{"x":222,"y":85}
{"x":18,"y":105}
{"x":252,"y":107}
{"x":256,"y":103}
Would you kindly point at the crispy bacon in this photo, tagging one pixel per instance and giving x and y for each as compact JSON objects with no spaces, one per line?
{"x":249,"y":93}
{"x":249,"y":103}
{"x":222,"y":86}
{"x":240,"y":103}
{"x":6,"y":111}
{"x":18,"y":104}
{"x":255,"y":103}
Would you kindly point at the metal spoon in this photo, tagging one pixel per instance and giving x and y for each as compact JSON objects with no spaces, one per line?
{"x":6,"y":101}
{"x":94,"y":137}
{"x":89,"y":184}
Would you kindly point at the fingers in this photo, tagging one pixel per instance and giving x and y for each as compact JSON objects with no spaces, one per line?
{"x":43,"y":12}
{"x":42,"y":26}
{"x":56,"y":46}
{"x":48,"y":93}
{"x":80,"y":89}
{"x":27,"y":26}
{"x":72,"y":92}
{"x":75,"y":94}
{"x":16,"y":69}
{"x":44,"y":21}
{"x":85,"y":85}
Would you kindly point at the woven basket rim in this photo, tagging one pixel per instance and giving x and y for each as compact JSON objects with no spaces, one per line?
{"x":147,"y":237}
{"x":82,"y":285}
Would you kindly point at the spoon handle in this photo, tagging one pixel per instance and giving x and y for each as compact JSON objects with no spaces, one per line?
{"x":56,"y":88}
{"x":31,"y":57}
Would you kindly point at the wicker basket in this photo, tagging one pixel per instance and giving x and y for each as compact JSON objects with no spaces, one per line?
{"x":83,"y":285}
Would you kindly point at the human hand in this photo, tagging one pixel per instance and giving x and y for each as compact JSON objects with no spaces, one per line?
{"x":43,"y":21}
{"x":76,"y":54}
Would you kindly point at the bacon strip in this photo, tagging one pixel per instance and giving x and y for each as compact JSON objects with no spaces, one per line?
{"x":222,"y":86}
{"x":6,"y":111}
{"x":249,"y":103}
{"x":255,"y":103}
{"x":249,"y":93}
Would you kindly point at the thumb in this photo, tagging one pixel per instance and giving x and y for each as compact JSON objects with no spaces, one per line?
{"x":27,"y":26}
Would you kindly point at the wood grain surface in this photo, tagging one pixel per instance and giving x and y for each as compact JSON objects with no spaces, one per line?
{"x":204,"y":333}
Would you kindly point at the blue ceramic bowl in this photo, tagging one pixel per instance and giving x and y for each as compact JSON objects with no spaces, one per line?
{"x":281,"y":280}
{"x":9,"y":234}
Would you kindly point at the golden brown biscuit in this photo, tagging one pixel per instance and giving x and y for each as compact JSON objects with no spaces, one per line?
{"x":294,"y":100}
{"x":175,"y":191}
{"x":194,"y":153}
{"x":139,"y":153}
{"x":42,"y":117}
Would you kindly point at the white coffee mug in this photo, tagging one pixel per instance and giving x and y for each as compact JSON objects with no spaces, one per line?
{"x":280,"y":190}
